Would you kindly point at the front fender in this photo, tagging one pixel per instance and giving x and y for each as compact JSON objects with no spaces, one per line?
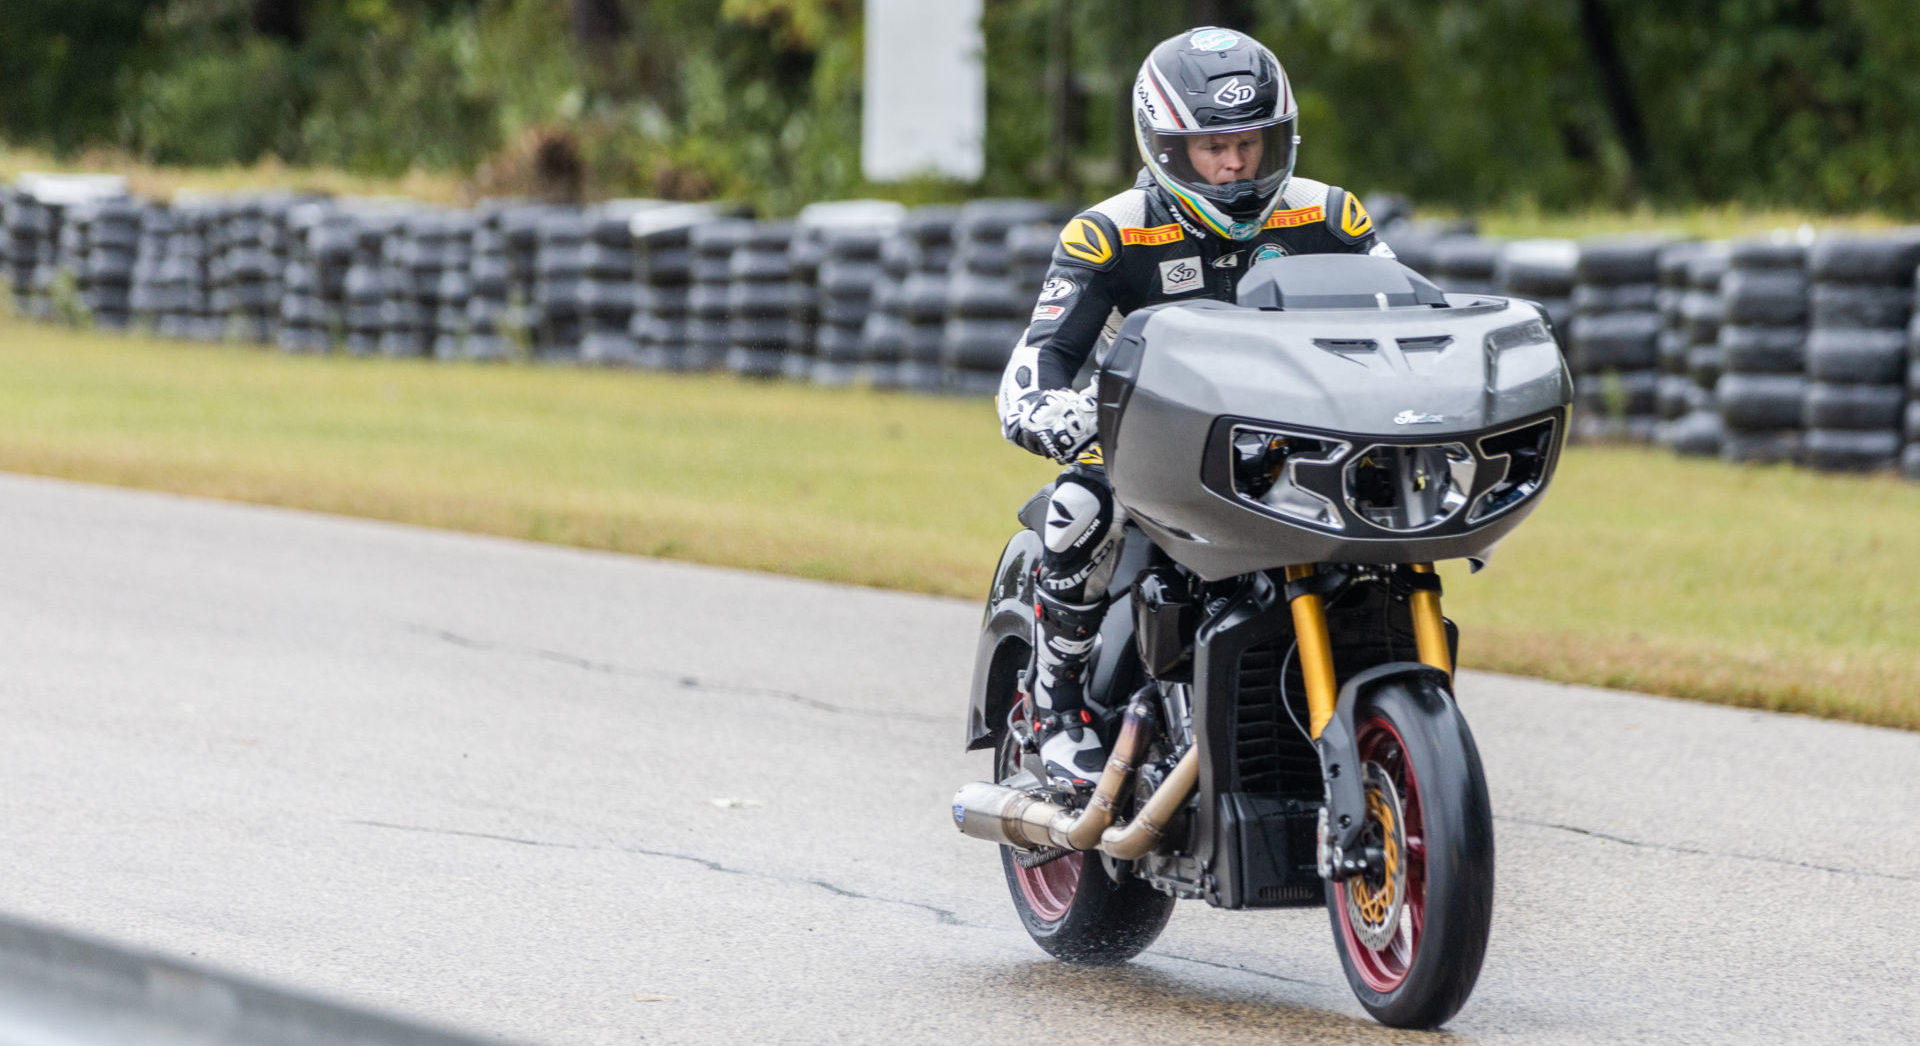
{"x":1338,"y":743}
{"x":1006,"y":638}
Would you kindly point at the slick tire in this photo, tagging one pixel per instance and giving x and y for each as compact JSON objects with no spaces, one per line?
{"x":1841,"y":450}
{"x":1764,"y":297}
{"x":1853,"y":407}
{"x":1411,"y":730}
{"x":1613,"y":262}
{"x":1076,"y":912}
{"x":1844,"y":258}
{"x":1858,"y":355}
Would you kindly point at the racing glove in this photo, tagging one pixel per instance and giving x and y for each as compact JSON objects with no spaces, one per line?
{"x":1057,"y":423}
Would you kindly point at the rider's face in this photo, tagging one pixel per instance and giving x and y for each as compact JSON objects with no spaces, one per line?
{"x":1223,"y":158}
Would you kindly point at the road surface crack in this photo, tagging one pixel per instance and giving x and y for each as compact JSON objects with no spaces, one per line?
{"x":684,"y":682}
{"x":1701,"y":852}
{"x":943,"y":916}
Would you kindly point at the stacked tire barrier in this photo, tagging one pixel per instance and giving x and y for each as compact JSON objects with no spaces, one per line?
{"x":489,"y":287}
{"x":366,"y":281}
{"x":306,"y":315}
{"x":180,"y":286}
{"x":607,"y":289}
{"x":112,"y":242}
{"x":1465,"y":264}
{"x":1763,"y":339}
{"x":1615,"y":339}
{"x":883,"y":338}
{"x":1861,"y":300}
{"x":986,"y":313}
{"x":663,"y":266}
{"x":923,"y":298}
{"x":1760,"y":350}
{"x":520,"y":228}
{"x":759,"y":301}
{"x":840,"y":225}
{"x":147,"y":297}
{"x":1697,"y":431}
{"x":249,"y":258}
{"x":404,"y":330}
{"x":555,"y":312}
{"x":1540,"y":271}
{"x":846,"y":288}
{"x":708,"y":330}
{"x":448,"y":290}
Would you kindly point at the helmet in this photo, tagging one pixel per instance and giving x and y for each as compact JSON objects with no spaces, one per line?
{"x":1211,"y":95}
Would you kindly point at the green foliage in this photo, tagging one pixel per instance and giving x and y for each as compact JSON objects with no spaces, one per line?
{"x":233,"y":105}
{"x":1557,"y":105}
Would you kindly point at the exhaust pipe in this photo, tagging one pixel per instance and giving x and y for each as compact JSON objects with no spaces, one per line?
{"x":1010,"y":817}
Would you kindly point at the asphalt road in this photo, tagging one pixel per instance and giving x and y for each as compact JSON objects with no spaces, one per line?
{"x":565,"y":797}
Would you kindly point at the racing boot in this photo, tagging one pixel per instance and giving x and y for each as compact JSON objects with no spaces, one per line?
{"x":1069,"y":746}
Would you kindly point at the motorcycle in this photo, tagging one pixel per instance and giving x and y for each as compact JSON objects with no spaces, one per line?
{"x":1279,"y":703}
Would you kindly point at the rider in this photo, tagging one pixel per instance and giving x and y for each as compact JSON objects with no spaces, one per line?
{"x":1214,"y":118}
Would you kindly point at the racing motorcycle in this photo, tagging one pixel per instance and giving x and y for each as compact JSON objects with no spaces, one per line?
{"x":1279,"y":703}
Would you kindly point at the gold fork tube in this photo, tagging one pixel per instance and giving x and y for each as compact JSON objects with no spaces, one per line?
{"x":1316,"y":652}
{"x":1429,"y":630}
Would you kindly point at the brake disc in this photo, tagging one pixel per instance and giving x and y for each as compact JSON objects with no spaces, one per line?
{"x":1376,"y":900}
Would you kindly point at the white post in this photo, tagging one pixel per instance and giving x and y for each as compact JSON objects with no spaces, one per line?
{"x":925,"y":107}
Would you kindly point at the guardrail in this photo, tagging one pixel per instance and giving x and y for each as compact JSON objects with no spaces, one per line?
{"x":1795,"y":348}
{"x":59,"y":989}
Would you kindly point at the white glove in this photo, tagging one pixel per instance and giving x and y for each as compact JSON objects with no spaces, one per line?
{"x":1058,"y":423}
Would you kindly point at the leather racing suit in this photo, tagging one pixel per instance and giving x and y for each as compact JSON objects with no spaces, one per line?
{"x":1133,"y":250}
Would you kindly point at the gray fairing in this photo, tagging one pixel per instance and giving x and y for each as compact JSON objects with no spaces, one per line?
{"x":1178,"y":376}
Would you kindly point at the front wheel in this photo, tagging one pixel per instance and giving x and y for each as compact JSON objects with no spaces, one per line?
{"x":1412,"y":937}
{"x":1072,"y":908}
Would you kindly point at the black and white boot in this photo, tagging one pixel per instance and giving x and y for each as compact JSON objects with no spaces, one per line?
{"x":1069,"y":745}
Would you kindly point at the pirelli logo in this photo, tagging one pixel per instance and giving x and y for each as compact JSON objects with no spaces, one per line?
{"x":1154,"y":237}
{"x":1302,"y":216}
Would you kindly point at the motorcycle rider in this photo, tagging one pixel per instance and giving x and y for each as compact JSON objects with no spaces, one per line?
{"x":1214,"y":118}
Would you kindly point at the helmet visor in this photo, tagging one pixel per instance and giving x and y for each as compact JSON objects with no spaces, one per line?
{"x":1238,"y":171}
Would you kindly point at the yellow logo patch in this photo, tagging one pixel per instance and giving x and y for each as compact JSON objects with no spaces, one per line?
{"x":1303,"y":216}
{"x":1354,"y":219}
{"x":1083,"y":240}
{"x":1154,"y":237}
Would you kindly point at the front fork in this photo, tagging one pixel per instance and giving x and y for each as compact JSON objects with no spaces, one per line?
{"x":1315,"y":648}
{"x":1316,"y":643}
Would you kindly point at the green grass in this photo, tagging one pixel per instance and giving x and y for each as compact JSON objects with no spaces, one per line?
{"x":1770,"y":588}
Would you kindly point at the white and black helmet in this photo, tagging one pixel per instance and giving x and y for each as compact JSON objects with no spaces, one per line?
{"x":1213,"y":82}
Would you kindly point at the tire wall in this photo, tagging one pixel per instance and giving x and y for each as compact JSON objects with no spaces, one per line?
{"x":1616,"y":338}
{"x":1860,"y":303}
{"x":1776,"y":349}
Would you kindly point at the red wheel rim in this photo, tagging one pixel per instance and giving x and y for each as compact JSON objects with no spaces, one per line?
{"x":1049,"y":889}
{"x":1386,"y":969}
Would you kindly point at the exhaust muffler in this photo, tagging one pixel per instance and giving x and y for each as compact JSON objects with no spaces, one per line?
{"x":1011,"y":817}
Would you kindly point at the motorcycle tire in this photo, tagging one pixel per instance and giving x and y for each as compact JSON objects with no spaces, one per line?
{"x":1421,"y":974}
{"x":1073,"y":909}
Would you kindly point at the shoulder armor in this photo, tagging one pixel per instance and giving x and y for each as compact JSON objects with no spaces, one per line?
{"x":1091,"y":240}
{"x":1346,"y":217}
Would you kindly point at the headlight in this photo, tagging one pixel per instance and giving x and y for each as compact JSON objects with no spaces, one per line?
{"x":1406,"y":489}
{"x":1525,"y":451}
{"x":1264,"y":463}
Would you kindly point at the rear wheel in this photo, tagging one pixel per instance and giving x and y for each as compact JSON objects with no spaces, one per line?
{"x":1070,"y":905}
{"x":1412,"y":936}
